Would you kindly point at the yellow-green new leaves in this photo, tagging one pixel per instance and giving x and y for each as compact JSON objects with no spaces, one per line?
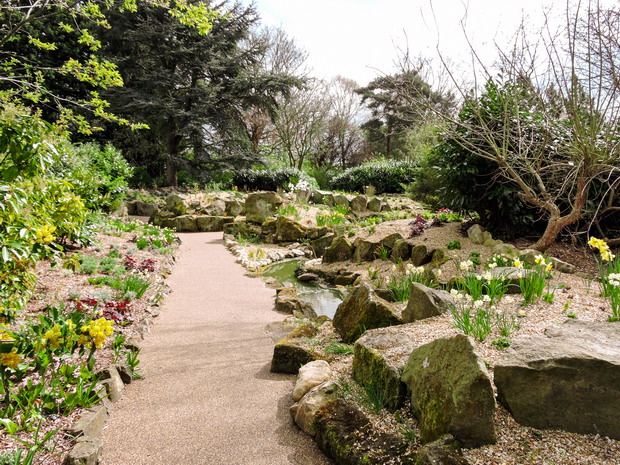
{"x":103,"y":74}
{"x":196,"y":15}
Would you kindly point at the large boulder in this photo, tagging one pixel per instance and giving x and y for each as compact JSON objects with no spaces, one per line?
{"x":341,"y":200}
{"x":378,"y":362}
{"x":288,"y":230}
{"x":185,"y":223}
{"x":362,"y":309}
{"x":365,"y":251}
{"x":261,"y":205}
{"x":344,"y":433}
{"x":425,"y":302}
{"x":374,"y":205}
{"x":390,"y":240}
{"x":177,"y":204}
{"x":242,"y":228}
{"x":451,"y":391}
{"x":359,"y":204}
{"x":477,"y":234}
{"x":212,"y":223}
{"x":216,"y":208}
{"x":304,"y":411}
{"x":401,"y":250}
{"x":293,"y":305}
{"x":144,"y":208}
{"x":508,"y":250}
{"x":322,"y":197}
{"x":420,"y":255}
{"x":568,"y":378}
{"x":321,"y":244}
{"x":310,"y":375}
{"x":234,"y":208}
{"x":339,"y":251}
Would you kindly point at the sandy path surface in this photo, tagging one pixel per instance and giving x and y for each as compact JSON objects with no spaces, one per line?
{"x":208,"y":396}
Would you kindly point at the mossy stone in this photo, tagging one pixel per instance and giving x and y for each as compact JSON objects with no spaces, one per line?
{"x":339,"y":251}
{"x":420,"y":255}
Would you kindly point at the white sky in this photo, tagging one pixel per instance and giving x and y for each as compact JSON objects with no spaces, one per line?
{"x":357,"y":38}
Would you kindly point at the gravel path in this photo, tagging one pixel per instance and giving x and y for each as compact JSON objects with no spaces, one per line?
{"x":208,"y":396}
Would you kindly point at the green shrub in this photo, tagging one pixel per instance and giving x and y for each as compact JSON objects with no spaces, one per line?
{"x":385,"y":177}
{"x":269,"y":180}
{"x":98,"y":175}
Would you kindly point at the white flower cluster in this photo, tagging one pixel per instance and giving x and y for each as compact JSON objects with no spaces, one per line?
{"x":300,"y":186}
{"x":466,"y":265}
{"x":614,"y":279}
{"x":410,"y":269}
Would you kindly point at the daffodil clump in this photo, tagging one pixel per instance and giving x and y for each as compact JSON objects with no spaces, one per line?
{"x":610,"y":276}
{"x":533,"y":282}
{"x":479,"y":317}
{"x":478,"y":285}
{"x":403,"y":277}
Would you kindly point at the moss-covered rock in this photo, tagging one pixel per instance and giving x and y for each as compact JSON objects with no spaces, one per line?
{"x":339,"y":251}
{"x":288,"y":230}
{"x":425,"y":302}
{"x":401,"y":250}
{"x":362,"y":309}
{"x":185,"y":223}
{"x":341,"y":200}
{"x":345,"y":434}
{"x":420,"y":255}
{"x":365,"y":250}
{"x":321,"y":244}
{"x":451,"y":391}
{"x":378,"y":362}
{"x":374,"y":205}
{"x":390,"y":240}
{"x":359,"y":204}
{"x":289,"y":355}
{"x":444,"y":451}
{"x":177,"y":204}
{"x":240,"y":227}
{"x":234,"y":208}
{"x":261,"y":205}
{"x":212,"y":223}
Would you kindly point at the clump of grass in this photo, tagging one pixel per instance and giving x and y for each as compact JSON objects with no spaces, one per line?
{"x":338,"y":348}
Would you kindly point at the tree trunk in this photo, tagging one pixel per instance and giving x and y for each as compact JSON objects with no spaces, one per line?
{"x":171,"y":167}
{"x":557,"y":223}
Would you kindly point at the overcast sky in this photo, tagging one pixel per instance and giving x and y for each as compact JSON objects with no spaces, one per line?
{"x":357,"y":38}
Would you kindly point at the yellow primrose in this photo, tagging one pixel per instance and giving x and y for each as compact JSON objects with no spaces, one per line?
{"x":10,"y":360}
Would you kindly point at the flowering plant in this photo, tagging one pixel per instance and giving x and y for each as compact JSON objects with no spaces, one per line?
{"x":609,"y":268}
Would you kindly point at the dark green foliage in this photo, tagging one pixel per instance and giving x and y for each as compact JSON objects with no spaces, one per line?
{"x":191,"y":90}
{"x":471,"y":182}
{"x":267,"y":180}
{"x":386,"y":177}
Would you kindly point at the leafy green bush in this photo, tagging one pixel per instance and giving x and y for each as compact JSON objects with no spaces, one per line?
{"x":98,"y":175}
{"x":268,"y":180}
{"x":385,"y":177}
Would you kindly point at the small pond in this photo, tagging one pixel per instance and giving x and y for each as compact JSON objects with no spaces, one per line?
{"x":324,"y":300}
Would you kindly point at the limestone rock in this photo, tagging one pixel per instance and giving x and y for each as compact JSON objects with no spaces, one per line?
{"x":185,"y":223}
{"x":476,"y":234}
{"x":451,"y":391}
{"x":339,"y":251}
{"x":568,"y":378}
{"x":401,"y":250}
{"x":317,"y":233}
{"x":113,"y":383}
{"x":359,"y":204}
{"x":365,"y":251}
{"x":308,"y":277}
{"x":177,"y":204}
{"x":379,"y":358}
{"x":288,"y":230}
{"x":87,"y":451}
{"x":374,"y":205}
{"x":289,"y":356}
{"x":420,"y":255}
{"x":216,"y":208}
{"x":212,"y":223}
{"x":341,"y":200}
{"x":344,"y":433}
{"x":443,"y":451}
{"x":163,"y":218}
{"x":361,"y":310}
{"x":304,"y":411}
{"x":322,"y":198}
{"x":145,"y":208}
{"x":321,"y":244}
{"x":390,"y":240}
{"x":425,"y":302}
{"x":90,"y":423}
{"x":234,"y":207}
{"x":310,"y":375}
{"x":242,"y":228}
{"x":385,"y":207}
{"x":261,"y":205}
{"x":290,"y":303}
{"x":506,"y":249}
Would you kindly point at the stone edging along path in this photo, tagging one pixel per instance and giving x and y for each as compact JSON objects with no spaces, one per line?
{"x":208,"y":396}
